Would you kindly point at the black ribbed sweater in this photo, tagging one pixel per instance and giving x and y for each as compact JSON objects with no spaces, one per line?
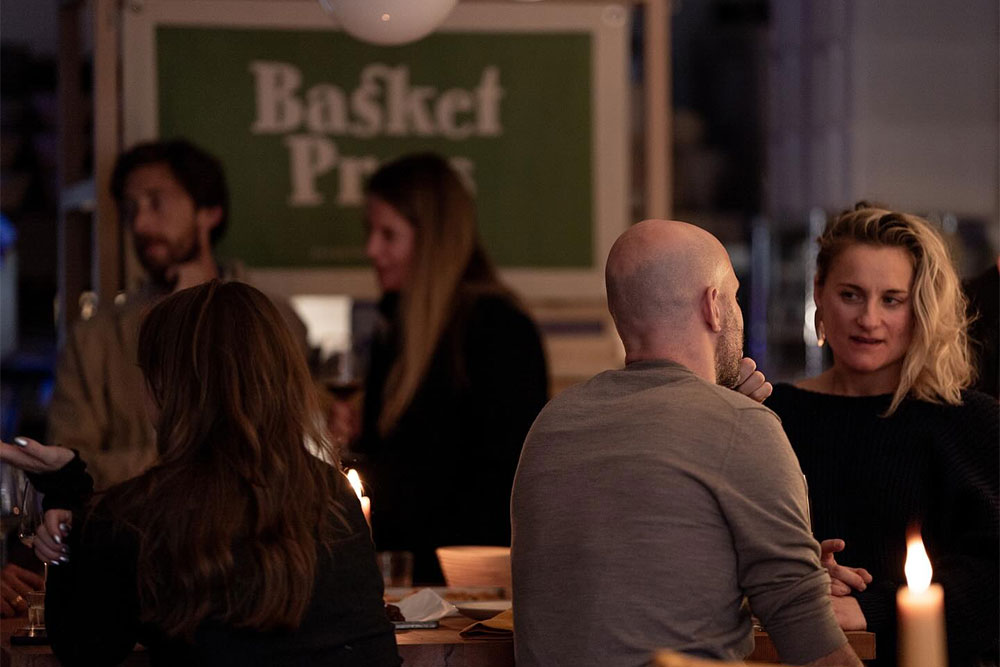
{"x":443,"y":475}
{"x":871,"y":477}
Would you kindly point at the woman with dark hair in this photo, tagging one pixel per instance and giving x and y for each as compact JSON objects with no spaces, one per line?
{"x":889,"y":437}
{"x":243,"y":544}
{"x":457,"y":374}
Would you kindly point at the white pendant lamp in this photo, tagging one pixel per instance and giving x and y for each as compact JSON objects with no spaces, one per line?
{"x":388,"y":22}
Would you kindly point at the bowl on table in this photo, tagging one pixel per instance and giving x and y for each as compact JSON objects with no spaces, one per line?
{"x":475,"y":566}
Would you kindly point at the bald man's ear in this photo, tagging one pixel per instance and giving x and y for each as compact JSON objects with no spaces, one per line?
{"x":710,"y":309}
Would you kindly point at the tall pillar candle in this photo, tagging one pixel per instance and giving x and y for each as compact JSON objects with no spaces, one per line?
{"x":920,"y":611}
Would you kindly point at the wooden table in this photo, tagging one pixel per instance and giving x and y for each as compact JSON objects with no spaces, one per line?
{"x":444,"y":646}
{"x":418,"y":648}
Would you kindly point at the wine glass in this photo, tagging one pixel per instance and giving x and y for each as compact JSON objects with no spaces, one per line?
{"x":30,"y":513}
{"x":341,"y":375}
{"x":10,"y":512}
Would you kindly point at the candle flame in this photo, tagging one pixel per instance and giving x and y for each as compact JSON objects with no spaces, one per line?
{"x":355,"y":480}
{"x":917,"y":566}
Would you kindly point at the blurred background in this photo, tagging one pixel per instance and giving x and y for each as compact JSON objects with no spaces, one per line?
{"x":782,"y":112}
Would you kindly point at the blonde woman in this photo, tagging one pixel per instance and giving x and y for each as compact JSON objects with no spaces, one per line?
{"x":889,"y":437}
{"x":457,"y":373}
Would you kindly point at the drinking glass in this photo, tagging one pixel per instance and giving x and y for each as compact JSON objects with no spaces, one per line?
{"x":341,"y":375}
{"x":342,"y":378}
{"x":30,"y":513}
{"x":29,"y":502}
{"x":396,"y":567}
{"x":10,"y":512}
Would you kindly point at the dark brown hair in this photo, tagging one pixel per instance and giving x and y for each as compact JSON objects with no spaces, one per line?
{"x":230,"y":518}
{"x":198,"y":172}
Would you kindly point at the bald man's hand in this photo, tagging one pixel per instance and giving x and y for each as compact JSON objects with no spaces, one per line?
{"x":751,"y":381}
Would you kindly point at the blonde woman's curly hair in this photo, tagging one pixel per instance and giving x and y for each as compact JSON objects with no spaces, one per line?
{"x":937,"y":365}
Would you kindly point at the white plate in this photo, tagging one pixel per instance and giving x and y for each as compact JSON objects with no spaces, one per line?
{"x":482,"y":609}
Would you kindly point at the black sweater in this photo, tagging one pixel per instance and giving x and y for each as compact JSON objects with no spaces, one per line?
{"x":92,"y":608}
{"x":443,"y":475}
{"x":870,"y":478}
{"x":984,"y":331}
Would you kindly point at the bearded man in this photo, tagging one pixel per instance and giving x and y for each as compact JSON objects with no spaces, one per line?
{"x":173,"y":199}
{"x":650,"y":503}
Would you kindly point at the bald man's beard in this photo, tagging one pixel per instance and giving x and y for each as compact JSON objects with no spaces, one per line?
{"x":729,"y":352}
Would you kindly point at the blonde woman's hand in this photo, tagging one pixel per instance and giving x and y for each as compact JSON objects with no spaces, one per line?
{"x":751,"y":381}
{"x":33,"y":456}
{"x":843,"y":579}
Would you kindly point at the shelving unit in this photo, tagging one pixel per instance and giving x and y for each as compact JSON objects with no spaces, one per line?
{"x":89,"y":241}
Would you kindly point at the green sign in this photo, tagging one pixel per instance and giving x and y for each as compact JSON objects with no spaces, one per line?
{"x":301,"y":117}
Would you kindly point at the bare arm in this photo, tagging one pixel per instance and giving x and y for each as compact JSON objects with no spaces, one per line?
{"x":842,"y":657}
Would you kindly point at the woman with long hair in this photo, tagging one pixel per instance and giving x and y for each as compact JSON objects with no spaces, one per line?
{"x":889,"y":438}
{"x":243,"y":544}
{"x":457,"y":374}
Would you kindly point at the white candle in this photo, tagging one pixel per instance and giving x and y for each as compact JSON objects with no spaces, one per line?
{"x":366,"y":502}
{"x":920,"y":607}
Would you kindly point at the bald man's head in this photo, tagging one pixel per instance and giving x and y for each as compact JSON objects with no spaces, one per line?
{"x":657,"y":274}
{"x":658,"y":269}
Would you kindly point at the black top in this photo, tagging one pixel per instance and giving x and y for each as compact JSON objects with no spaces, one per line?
{"x":443,"y":475}
{"x":92,"y":610}
{"x":984,"y":332}
{"x":870,"y":478}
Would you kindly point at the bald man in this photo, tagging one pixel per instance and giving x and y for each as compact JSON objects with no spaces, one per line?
{"x":651,"y":503}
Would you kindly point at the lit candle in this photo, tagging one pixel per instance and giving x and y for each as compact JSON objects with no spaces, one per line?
{"x":366,"y":502}
{"x":920,"y":607}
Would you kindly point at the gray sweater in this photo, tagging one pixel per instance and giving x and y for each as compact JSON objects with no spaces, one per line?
{"x":648,"y":506}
